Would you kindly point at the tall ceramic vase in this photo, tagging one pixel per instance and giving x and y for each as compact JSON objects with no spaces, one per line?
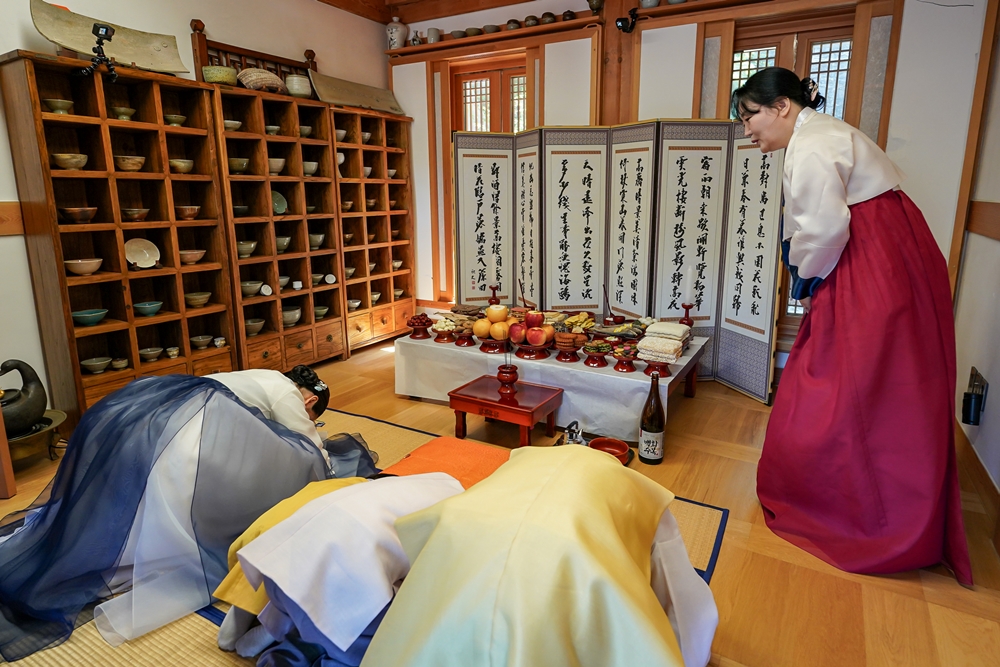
{"x":397,"y":33}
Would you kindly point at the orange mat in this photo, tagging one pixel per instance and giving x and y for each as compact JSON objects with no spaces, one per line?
{"x":468,"y":462}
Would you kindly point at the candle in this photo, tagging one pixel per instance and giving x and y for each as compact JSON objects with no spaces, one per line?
{"x":687,"y":286}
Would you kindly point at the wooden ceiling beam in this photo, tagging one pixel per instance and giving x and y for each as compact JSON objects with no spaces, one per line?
{"x":412,"y":11}
{"x":374,"y":10}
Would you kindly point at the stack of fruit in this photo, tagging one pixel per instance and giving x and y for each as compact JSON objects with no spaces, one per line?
{"x":533,"y":331}
{"x":420,"y":320}
{"x":495,"y":325}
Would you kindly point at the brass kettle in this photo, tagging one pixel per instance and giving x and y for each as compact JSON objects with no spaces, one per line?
{"x":24,"y":407}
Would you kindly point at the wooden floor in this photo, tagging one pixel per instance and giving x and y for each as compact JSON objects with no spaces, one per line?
{"x":778,"y":605}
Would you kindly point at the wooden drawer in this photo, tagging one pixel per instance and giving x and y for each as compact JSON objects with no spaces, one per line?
{"x":180,"y":368}
{"x":401,"y":312}
{"x":265,"y":354}
{"x":382,"y":323}
{"x":298,"y":348}
{"x":94,"y":393}
{"x":220,"y":363}
{"x":329,"y":340}
{"x":359,"y":328}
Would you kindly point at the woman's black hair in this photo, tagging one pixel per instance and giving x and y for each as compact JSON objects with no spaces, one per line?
{"x":306,"y":378}
{"x":767,"y":86}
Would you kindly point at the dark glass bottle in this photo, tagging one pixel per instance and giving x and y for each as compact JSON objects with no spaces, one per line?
{"x":651,"y":425}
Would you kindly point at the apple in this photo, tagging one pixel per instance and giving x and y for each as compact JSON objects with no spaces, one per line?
{"x":534,"y":318}
{"x":481,"y":328}
{"x":535,"y":336}
{"x":496,"y":313}
{"x":517,"y":332}
{"x":499,"y":331}
{"x":550,"y":331}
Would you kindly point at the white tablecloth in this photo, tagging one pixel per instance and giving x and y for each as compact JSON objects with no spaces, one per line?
{"x":604,"y":401}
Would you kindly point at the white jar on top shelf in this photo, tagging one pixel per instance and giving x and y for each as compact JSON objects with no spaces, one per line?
{"x":397,"y":33}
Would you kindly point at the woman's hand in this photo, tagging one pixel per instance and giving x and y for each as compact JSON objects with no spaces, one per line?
{"x":806,"y":303}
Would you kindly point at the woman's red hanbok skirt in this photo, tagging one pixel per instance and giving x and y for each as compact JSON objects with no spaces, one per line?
{"x":858,"y":466}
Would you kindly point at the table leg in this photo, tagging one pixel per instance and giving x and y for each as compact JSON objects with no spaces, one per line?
{"x":525,"y":436}
{"x":550,"y":424}
{"x":459,"y":424}
{"x":691,"y":382}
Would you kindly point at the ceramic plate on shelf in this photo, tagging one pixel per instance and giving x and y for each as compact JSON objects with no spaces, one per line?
{"x":279,"y":203}
{"x":142,"y":253}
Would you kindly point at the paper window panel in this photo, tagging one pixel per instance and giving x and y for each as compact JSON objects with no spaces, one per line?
{"x":746,"y":337}
{"x":630,"y":218}
{"x":575,"y":177}
{"x":484,"y":206}
{"x":528,"y":219}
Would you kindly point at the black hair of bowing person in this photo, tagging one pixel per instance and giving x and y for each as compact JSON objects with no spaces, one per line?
{"x":312,"y":388}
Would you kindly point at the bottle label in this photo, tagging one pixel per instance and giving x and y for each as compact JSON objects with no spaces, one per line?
{"x":650,"y":445}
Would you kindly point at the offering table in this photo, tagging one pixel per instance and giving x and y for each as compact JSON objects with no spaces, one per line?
{"x":602,"y":400}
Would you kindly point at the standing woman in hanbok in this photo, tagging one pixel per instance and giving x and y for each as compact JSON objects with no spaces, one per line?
{"x":157,"y":481}
{"x":858,"y":464}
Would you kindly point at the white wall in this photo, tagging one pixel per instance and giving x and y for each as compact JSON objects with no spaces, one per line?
{"x":666,"y":72}
{"x":931,"y":104}
{"x":500,"y":15}
{"x":977,"y":313}
{"x":409,"y":83}
{"x":346,"y":46}
{"x":567,"y":82}
{"x":977,"y":329}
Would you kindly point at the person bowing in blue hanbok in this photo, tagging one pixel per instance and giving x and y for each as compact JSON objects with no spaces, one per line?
{"x":157,"y":481}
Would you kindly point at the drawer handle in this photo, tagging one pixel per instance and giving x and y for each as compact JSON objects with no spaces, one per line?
{"x":300,"y":345}
{"x":266,"y":354}
{"x":358,"y":327}
{"x":384,"y":320}
{"x":329,"y":338}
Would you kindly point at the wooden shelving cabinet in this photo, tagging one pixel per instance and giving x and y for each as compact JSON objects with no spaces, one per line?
{"x":91,"y":128}
{"x":270,"y":129}
{"x":374,"y":184}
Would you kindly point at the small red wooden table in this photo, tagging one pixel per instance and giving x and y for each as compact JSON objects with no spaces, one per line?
{"x":531,"y":404}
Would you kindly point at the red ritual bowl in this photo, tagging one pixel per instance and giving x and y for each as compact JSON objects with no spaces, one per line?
{"x":613,"y":446}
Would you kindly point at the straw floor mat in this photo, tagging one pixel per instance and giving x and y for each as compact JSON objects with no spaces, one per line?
{"x":189,"y":642}
{"x":192,"y":640}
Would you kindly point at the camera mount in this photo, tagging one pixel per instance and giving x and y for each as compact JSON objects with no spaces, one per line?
{"x":627,"y":25}
{"x":103,"y":32}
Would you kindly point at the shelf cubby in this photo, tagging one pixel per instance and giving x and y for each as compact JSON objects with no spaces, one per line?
{"x":83,"y":193}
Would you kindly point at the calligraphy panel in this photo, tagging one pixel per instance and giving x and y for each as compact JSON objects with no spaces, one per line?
{"x":751,"y":274}
{"x":630,"y":218}
{"x":528,"y":218}
{"x":575,"y":173}
{"x":693,"y":192}
{"x":484,"y":207}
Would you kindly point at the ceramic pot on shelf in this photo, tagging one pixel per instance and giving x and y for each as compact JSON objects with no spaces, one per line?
{"x":397,"y":33}
{"x":298,"y":86}
{"x":595,"y":6}
{"x":648,"y":4}
{"x":433,"y":35}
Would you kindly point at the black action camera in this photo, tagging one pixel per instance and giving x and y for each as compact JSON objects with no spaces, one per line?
{"x":103,"y":31}
{"x":628,"y":24}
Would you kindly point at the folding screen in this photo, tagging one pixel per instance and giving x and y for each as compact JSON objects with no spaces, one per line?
{"x":657,"y":213}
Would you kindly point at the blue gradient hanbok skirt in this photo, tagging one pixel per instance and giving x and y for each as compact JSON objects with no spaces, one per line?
{"x":158,"y":480}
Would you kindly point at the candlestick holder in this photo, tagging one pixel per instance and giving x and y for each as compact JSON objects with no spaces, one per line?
{"x":494,"y":300}
{"x":687,"y":314}
{"x":507,"y":375}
